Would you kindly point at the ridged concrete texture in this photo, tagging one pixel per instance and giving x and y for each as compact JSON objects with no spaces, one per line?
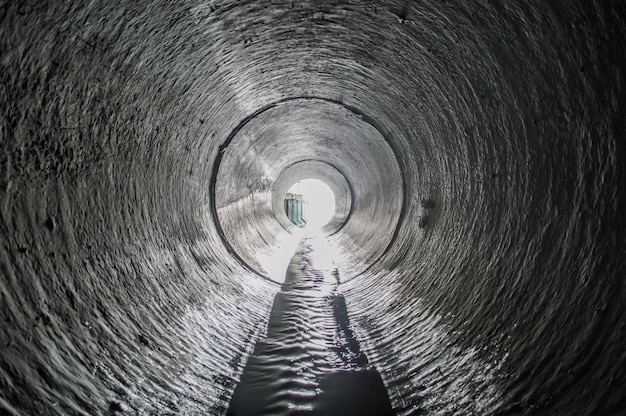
{"x":477,"y":150}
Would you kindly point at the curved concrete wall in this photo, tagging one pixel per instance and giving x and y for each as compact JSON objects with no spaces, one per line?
{"x":500,"y":288}
{"x":272,"y":146}
{"x":322,"y":171}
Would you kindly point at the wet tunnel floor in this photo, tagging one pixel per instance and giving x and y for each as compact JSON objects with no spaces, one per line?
{"x":310,"y":362}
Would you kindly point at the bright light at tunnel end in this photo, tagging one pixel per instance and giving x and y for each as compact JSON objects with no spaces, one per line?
{"x":319,"y":202}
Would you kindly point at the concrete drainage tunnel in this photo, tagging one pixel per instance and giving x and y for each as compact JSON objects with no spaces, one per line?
{"x":474,"y":264}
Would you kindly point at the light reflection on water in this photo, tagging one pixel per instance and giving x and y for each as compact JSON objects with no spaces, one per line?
{"x":327,"y":253}
{"x":425,"y":373}
{"x":320,"y":326}
{"x":310,"y":359}
{"x":275,"y":260}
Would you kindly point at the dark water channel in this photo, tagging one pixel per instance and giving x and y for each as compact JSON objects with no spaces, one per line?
{"x":310,"y":362}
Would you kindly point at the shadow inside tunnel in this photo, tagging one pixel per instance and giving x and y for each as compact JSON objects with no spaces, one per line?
{"x":310,"y":362}
{"x":353,"y":393}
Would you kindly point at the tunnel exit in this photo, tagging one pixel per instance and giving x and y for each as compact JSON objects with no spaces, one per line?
{"x":310,"y":360}
{"x":310,"y":203}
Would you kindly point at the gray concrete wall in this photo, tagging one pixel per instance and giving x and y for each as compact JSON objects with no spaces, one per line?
{"x":494,"y":283}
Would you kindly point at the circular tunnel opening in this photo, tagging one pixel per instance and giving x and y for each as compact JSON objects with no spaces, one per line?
{"x":314,"y":171}
{"x":476,"y":151}
{"x":293,"y":140}
{"x":310,"y":203}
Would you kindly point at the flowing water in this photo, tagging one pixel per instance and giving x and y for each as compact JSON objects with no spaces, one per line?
{"x":310,"y":360}
{"x":477,"y":150}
